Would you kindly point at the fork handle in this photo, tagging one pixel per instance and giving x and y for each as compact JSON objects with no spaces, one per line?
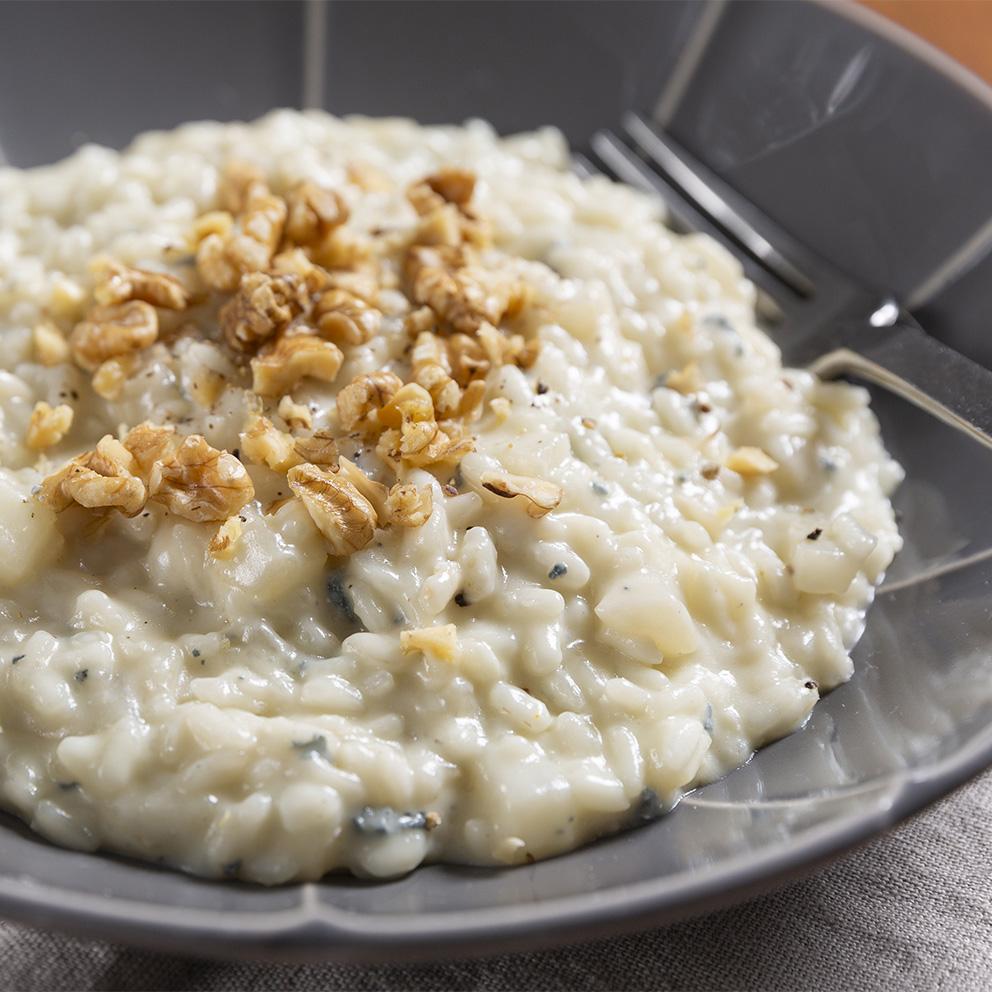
{"x":910,"y":363}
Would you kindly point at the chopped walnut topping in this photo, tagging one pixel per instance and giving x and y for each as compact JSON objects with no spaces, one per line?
{"x":319,"y":448}
{"x":262,"y":223}
{"x":237,"y":180}
{"x":50,"y":345}
{"x":67,"y":298}
{"x":751,"y":461}
{"x":359,"y":403}
{"x":467,"y":358}
{"x":472,"y":398}
{"x":424,"y":443}
{"x":99,"y":478}
{"x":343,"y":248}
{"x":429,"y":360}
{"x":200,"y":483}
{"x":342,"y":514}
{"x":540,"y":497}
{"x":439,"y":642}
{"x":296,"y":262}
{"x":206,"y":386}
{"x":48,"y":425}
{"x":222,"y":259}
{"x":343,"y":318}
{"x":264,"y":444}
{"x":453,"y":185}
{"x":218,"y":222}
{"x":442,"y":226}
{"x":111,"y":331}
{"x":295,"y":414}
{"x":313,"y":213}
{"x":111,"y":376}
{"x":501,"y":408}
{"x":419,"y":320}
{"x":410,"y":403}
{"x":462,"y":294}
{"x":225,"y":542}
{"x":279,"y":367}
{"x":361,"y":282}
{"x":118,"y":283}
{"x":263,"y":305}
{"x":367,"y":177}
{"x":408,"y":505}
{"x":147,"y":443}
{"x":507,"y":349}
{"x":375,"y":492}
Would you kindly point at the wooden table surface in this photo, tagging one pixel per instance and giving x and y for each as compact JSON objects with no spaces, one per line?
{"x":962,"y":28}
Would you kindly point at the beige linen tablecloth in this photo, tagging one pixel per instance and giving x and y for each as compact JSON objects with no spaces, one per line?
{"x":912,"y":910}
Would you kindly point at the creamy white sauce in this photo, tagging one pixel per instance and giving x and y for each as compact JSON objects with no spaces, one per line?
{"x":668,"y":617}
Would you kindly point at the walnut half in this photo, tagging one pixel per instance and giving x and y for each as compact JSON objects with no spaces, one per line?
{"x":540,"y":497}
{"x":112,"y":331}
{"x":342,"y":514}
{"x":200,"y":483}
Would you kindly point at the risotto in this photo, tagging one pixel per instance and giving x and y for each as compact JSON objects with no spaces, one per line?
{"x":373,"y":494}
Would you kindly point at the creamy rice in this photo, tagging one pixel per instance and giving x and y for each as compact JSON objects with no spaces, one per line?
{"x":721,"y":527}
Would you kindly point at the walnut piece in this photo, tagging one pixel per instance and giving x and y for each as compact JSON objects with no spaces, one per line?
{"x":428,"y":361}
{"x":223,"y":258}
{"x":296,"y":262}
{"x":359,"y":403}
{"x":313,"y":212}
{"x":264,"y":444}
{"x":467,"y":359}
{"x":148,"y":443}
{"x":48,"y":425}
{"x":100,"y":478}
{"x":439,"y":642}
{"x":237,"y":180}
{"x":118,"y":283}
{"x":408,"y":505}
{"x":751,"y":461}
{"x":539,"y":497}
{"x":453,"y":185}
{"x":263,"y":305}
{"x":343,"y":318}
{"x":375,"y":492}
{"x":342,"y":514}
{"x":200,"y":483}
{"x":462,"y":294}
{"x":279,"y":367}
{"x":225,"y":542}
{"x":50,"y":345}
{"x":111,"y":376}
{"x":295,"y":414}
{"x":111,"y":331}
{"x":319,"y":448}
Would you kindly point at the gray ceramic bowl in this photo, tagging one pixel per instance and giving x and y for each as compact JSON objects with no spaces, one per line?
{"x":866,"y":145}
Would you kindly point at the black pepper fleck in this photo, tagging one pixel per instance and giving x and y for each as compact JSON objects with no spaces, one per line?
{"x":16,"y":659}
{"x":541,"y":389}
{"x":196,"y":652}
{"x":558,"y":571}
{"x":460,"y":599}
{"x":814,"y":534}
{"x":82,"y":675}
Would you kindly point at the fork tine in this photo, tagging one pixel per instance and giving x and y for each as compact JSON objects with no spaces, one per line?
{"x":728,"y":209}
{"x":624,"y":164}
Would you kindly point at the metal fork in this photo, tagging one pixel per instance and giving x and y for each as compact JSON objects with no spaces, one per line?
{"x":824,"y":318}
